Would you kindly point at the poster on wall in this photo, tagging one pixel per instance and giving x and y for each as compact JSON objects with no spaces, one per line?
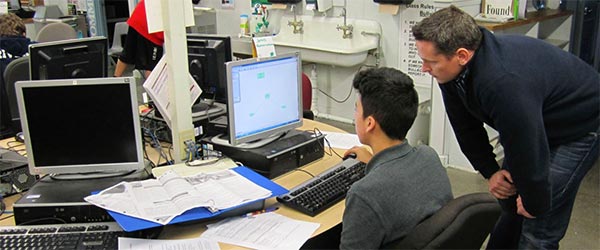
{"x":410,"y":62}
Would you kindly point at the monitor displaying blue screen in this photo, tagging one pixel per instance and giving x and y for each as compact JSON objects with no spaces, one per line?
{"x":265,"y":98}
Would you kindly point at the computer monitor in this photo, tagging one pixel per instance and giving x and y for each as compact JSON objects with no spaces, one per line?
{"x":68,"y":59}
{"x":264,"y":99}
{"x":81,"y":128}
{"x":14,"y":4}
{"x":207,"y":55}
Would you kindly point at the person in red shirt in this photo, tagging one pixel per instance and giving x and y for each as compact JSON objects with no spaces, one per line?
{"x":142,"y":49}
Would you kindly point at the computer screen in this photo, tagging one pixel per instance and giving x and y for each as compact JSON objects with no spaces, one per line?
{"x":264,"y":98}
{"x":207,"y":55}
{"x":68,"y":59}
{"x":14,"y":4}
{"x":81,"y":126}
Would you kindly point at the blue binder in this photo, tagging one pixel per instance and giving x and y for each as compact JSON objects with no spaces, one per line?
{"x":129,"y":223}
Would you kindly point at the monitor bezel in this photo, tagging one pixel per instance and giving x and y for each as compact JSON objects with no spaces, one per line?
{"x":81,"y":168}
{"x":36,"y":47}
{"x":271,"y":133}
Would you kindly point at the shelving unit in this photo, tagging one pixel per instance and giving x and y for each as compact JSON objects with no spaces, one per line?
{"x":550,"y":25}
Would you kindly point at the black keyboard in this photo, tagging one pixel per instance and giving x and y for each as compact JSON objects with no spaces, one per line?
{"x":97,"y":235}
{"x":326,"y":189}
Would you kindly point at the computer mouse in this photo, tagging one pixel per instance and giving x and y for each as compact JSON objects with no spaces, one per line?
{"x":350,"y":155}
{"x":20,"y":137}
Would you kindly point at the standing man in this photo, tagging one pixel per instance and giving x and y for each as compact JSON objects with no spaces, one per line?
{"x":544,"y":103}
{"x":403,"y":184}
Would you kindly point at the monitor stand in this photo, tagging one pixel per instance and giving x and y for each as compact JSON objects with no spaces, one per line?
{"x":223,"y":140}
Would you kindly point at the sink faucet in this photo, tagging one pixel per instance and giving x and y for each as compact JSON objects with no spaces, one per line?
{"x":346,"y":29}
{"x":297,"y":24}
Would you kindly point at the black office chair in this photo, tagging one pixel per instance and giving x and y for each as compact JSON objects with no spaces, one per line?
{"x":16,"y":70}
{"x":463,"y":223}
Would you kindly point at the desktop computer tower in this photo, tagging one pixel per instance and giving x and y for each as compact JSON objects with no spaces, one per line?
{"x":52,"y":201}
{"x":295,"y":149}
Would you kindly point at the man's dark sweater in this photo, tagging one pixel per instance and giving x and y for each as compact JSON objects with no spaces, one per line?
{"x":535,"y":95}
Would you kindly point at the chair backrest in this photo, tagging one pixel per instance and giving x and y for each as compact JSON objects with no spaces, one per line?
{"x":307,"y":97}
{"x":121,"y":29}
{"x":463,"y":223}
{"x":16,"y":70}
{"x":55,"y":32}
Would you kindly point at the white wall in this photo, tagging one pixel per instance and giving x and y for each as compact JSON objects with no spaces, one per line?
{"x":335,"y":81}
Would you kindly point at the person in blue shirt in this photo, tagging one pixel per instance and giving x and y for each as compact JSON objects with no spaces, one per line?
{"x":13,"y":44}
{"x":543,"y":101}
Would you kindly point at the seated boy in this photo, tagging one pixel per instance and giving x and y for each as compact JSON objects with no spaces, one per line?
{"x":404,"y":184}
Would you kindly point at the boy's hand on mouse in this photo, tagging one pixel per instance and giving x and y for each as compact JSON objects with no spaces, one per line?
{"x":363,"y":154}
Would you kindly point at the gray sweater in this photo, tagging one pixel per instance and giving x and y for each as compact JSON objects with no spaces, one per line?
{"x":403,"y":186}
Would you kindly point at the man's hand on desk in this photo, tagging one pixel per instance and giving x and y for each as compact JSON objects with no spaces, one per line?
{"x":363,"y":154}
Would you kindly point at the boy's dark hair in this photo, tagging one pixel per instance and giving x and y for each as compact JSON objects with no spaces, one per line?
{"x":390,"y":97}
{"x":449,"y":29}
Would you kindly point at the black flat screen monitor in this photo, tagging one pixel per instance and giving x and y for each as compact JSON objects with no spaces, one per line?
{"x":264,"y":99}
{"x":68,"y":59}
{"x":207,"y":55}
{"x":81,"y":128}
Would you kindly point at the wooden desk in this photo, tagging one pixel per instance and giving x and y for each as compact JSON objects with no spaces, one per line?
{"x":14,"y":145}
{"x":328,"y":218}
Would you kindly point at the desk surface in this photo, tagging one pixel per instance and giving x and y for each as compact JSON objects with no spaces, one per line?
{"x":328,"y":218}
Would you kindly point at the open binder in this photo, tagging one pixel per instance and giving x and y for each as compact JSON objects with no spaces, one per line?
{"x":129,"y":223}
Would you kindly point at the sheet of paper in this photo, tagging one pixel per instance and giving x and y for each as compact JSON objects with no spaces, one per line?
{"x":264,"y":46}
{"x":154,"y":15}
{"x":157,"y":88}
{"x":342,"y":140}
{"x":187,"y":244}
{"x":262,"y":231}
{"x":3,"y":8}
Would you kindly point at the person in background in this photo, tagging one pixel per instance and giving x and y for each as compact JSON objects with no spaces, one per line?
{"x":142,"y":49}
{"x":403,"y":184}
{"x":13,"y":44}
{"x":543,"y":101}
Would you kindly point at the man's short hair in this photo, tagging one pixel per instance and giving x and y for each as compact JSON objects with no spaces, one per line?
{"x":449,"y":29}
{"x":390,"y":97}
{"x":11,"y":25}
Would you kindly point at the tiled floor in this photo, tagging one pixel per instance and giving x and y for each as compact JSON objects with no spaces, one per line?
{"x":584,"y":229}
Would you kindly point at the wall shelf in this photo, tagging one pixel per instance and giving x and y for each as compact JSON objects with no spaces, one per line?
{"x":550,"y":25}
{"x":530,"y":18}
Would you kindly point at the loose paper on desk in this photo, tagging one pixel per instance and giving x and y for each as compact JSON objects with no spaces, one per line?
{"x":262,"y":231}
{"x":157,"y":87}
{"x":162,"y":199}
{"x":187,"y":244}
{"x":342,"y":140}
